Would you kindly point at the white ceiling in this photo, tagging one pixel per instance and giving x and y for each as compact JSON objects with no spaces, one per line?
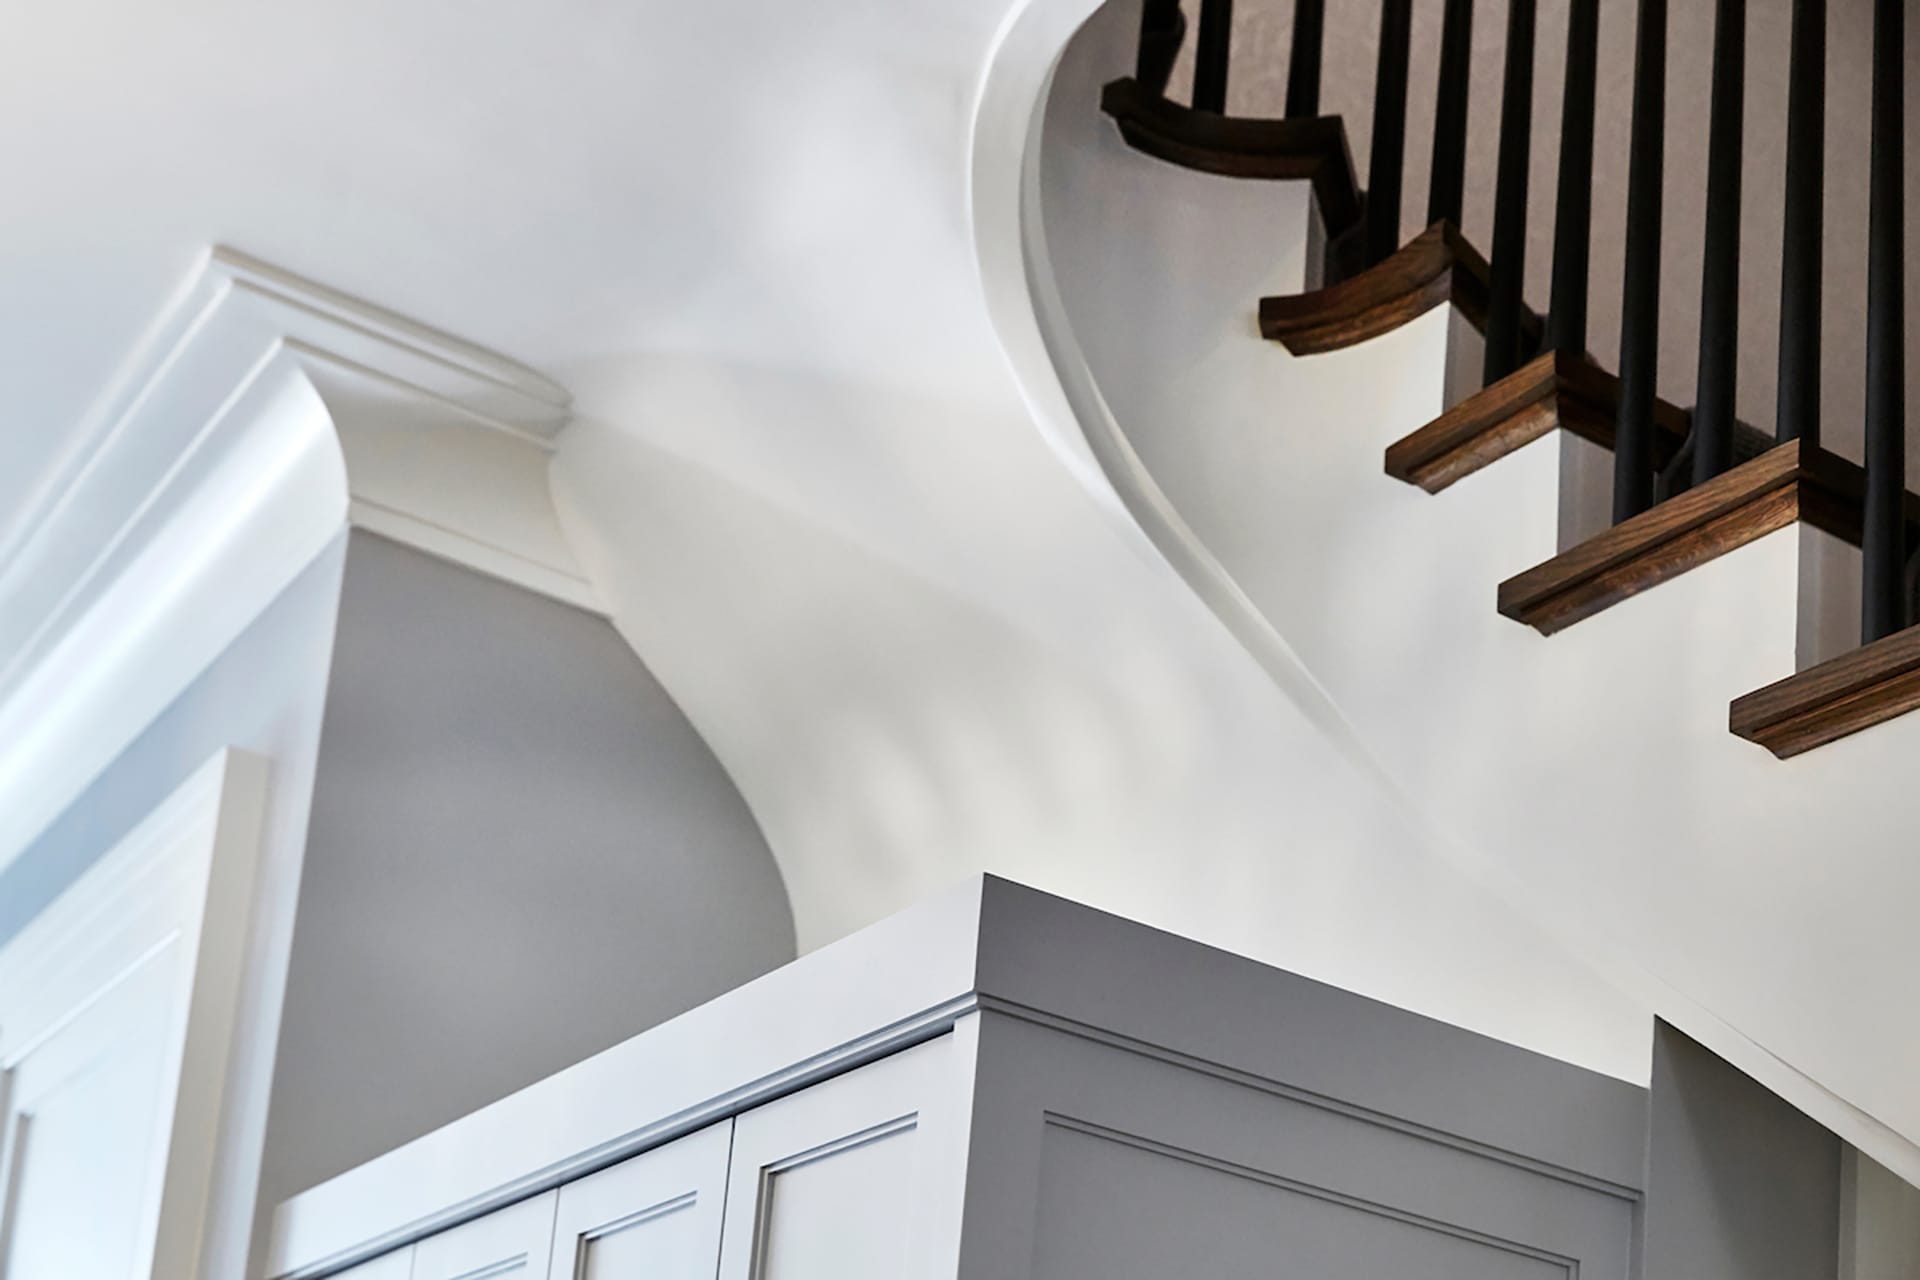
{"x":562,"y":182}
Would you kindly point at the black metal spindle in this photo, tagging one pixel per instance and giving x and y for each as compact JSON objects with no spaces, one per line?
{"x":1640,"y":294}
{"x":1799,"y":385}
{"x":1303,"y":63}
{"x":1720,"y":258}
{"x":1163,"y":25}
{"x":1211,"y":50}
{"x":1508,"y":266}
{"x":1382,"y":231}
{"x":1446,"y":188}
{"x":1881,"y":611}
{"x":1573,"y":205}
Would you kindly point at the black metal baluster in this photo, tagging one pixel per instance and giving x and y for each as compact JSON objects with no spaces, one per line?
{"x":1448,"y":182}
{"x":1799,"y":386}
{"x":1162,"y":27}
{"x":1573,"y":206}
{"x":1303,"y":63}
{"x":1881,"y":611}
{"x":1640,"y":295}
{"x":1382,"y":232}
{"x":1508,"y":266}
{"x":1211,"y":50}
{"x":1720,"y":258}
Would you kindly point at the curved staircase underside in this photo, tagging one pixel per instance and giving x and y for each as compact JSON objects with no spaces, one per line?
{"x":1588,"y":776}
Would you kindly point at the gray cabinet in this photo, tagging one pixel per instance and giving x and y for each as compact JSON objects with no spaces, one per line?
{"x":1009,"y":1087}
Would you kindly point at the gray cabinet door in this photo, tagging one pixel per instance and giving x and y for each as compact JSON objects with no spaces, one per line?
{"x":1093,"y":1160}
{"x":654,"y":1217}
{"x":514,"y":1243}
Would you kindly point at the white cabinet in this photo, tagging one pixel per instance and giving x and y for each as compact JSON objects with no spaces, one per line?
{"x":654,"y":1217}
{"x":514,"y":1243}
{"x":853,"y":1179}
{"x":397,"y":1265}
{"x":128,"y":1065}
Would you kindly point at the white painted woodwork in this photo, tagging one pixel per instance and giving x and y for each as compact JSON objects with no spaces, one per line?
{"x":122,"y":1135}
{"x":654,"y":1217}
{"x":261,"y":415}
{"x":854,"y":1178}
{"x":397,"y":1265}
{"x":1002,"y":1064}
{"x":514,"y":1243}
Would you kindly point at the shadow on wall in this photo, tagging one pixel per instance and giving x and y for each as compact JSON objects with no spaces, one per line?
{"x":519,"y":854}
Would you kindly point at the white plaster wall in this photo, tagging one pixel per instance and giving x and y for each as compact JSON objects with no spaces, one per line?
{"x":1589,"y":776}
{"x":925,"y":637}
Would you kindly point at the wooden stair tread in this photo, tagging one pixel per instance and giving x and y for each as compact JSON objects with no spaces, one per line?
{"x":1844,"y":695}
{"x":1555,"y":390}
{"x":1785,"y":484}
{"x":1312,"y":150}
{"x":1788,"y":482}
{"x":1435,"y":267}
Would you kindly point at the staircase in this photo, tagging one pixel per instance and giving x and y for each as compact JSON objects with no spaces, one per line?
{"x":1592,"y":638}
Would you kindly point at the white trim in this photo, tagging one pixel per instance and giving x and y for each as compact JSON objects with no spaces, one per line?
{"x":175,"y":892}
{"x":261,"y":414}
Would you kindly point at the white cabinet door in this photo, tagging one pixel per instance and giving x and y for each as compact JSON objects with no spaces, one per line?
{"x":397,"y":1265}
{"x":514,"y":1243}
{"x":654,"y":1217}
{"x":857,"y":1178}
{"x":121,"y":1005}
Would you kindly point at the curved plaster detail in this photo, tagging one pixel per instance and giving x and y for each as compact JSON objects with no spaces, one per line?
{"x":261,"y":415}
{"x":851,"y":520}
{"x":1188,"y":412}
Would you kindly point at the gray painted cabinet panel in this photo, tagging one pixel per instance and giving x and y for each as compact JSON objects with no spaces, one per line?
{"x":1111,"y":1208}
{"x":1098,"y":1102}
{"x":1096,"y":1160}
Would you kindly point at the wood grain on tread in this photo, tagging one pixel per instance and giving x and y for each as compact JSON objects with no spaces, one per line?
{"x":1557,"y":390}
{"x":1435,"y":267}
{"x":1785,"y":484}
{"x":1313,"y":150}
{"x":1874,"y":683}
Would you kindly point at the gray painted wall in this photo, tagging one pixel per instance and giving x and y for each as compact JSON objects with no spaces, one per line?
{"x":1739,"y":1184}
{"x":1258,"y":87}
{"x":520,"y":853}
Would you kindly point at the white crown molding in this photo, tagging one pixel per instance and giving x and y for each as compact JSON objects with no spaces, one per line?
{"x":262,"y":415}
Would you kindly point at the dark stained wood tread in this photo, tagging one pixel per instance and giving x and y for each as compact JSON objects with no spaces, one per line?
{"x":1556,"y":390}
{"x":1312,"y":150}
{"x":1844,"y":695}
{"x":1787,"y":483}
{"x":1435,"y":267}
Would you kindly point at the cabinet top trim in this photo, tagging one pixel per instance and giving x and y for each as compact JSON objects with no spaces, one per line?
{"x":993,"y":945}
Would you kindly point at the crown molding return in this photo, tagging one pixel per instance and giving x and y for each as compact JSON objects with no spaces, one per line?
{"x":262,"y":415}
